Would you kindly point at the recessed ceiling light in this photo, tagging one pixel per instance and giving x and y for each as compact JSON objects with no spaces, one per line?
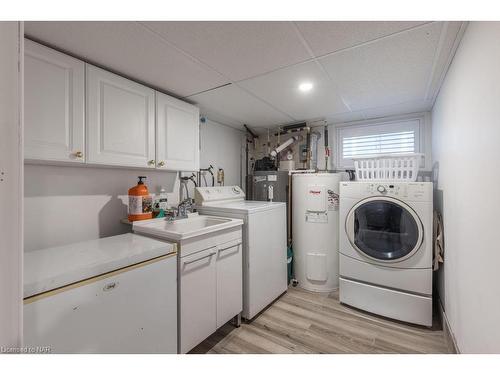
{"x":306,"y":86}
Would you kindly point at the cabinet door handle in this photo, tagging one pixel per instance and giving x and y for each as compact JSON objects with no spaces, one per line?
{"x":79,"y":154}
{"x":230,"y":247}
{"x":161,"y":163}
{"x":151,"y":162}
{"x":203,"y":257}
{"x":110,"y":286}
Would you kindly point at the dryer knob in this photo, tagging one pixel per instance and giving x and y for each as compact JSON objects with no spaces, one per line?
{"x":381,"y":189}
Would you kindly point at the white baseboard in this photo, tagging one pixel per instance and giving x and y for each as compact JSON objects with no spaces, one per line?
{"x":449,"y":337}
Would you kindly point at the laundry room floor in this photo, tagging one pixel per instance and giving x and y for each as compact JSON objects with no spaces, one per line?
{"x":306,"y":322}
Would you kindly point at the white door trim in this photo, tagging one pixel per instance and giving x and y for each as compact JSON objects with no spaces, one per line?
{"x":11,"y":183}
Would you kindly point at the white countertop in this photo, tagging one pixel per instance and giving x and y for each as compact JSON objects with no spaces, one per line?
{"x":51,"y":268}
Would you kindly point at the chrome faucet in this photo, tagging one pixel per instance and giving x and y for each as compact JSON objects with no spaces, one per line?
{"x":185,"y":207}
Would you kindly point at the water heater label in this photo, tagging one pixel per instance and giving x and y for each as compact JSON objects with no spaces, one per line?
{"x":316,"y":198}
{"x":333,"y":201}
{"x":316,"y":217}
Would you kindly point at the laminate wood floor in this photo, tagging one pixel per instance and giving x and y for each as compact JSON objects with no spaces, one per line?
{"x":306,"y":322}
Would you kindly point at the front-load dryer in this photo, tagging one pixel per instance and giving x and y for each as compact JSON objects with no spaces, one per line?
{"x":385,"y":247}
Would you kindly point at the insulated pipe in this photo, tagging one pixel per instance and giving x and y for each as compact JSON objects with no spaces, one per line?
{"x":327,"y":150}
{"x":290,"y":203}
{"x":289,"y":211}
{"x":308,"y":148}
{"x":284,"y":145}
{"x":315,"y":137}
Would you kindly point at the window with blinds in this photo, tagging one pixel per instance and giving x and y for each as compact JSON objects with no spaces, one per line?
{"x":396,"y":137}
{"x":388,"y":143}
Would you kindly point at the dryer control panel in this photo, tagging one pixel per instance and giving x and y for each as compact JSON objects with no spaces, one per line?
{"x":417,"y":191}
{"x":387,"y":189}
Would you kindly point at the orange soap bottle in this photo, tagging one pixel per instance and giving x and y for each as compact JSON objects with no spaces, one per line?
{"x":140,"y":205}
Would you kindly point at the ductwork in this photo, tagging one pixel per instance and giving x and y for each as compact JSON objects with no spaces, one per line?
{"x":315,"y":137}
{"x":283,"y":146}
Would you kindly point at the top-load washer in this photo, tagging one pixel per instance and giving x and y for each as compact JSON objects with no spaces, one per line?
{"x":264,"y":242}
{"x":385,"y":248}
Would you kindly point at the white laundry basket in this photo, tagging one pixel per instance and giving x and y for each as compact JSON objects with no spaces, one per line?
{"x":388,"y":167}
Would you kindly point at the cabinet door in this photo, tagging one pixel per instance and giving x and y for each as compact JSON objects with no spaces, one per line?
{"x":197,"y":298}
{"x":128,"y":311}
{"x":54,"y":123}
{"x":177,"y":134}
{"x":120,"y":120}
{"x":229,"y":282}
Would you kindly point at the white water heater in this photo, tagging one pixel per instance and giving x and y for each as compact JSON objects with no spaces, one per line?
{"x":315,"y":230}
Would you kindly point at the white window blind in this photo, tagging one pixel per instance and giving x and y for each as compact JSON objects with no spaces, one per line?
{"x":395,"y":137}
{"x":388,"y":143}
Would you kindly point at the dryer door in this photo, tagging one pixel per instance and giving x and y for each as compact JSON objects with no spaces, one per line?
{"x":384,"y":229}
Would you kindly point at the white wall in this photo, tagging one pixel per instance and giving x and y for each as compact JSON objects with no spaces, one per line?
{"x":466,"y":152}
{"x":65,"y":204}
{"x":11,"y":177}
{"x":69,"y":204}
{"x":222,"y":147}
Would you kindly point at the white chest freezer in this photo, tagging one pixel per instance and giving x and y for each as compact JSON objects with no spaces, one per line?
{"x":112,"y":295}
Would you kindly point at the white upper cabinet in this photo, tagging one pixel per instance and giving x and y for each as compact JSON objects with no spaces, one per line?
{"x":54,"y":122}
{"x":103,"y":118}
{"x":177,"y":134}
{"x":120,"y":121}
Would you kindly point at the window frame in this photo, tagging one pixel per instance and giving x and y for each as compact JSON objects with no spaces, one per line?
{"x":422,"y":136}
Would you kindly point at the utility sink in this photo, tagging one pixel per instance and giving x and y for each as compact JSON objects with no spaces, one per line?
{"x":181,"y":229}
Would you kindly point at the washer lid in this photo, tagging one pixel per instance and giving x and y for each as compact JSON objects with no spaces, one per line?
{"x":384,"y":229}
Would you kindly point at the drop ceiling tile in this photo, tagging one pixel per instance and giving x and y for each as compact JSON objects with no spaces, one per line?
{"x":238,"y":50}
{"x":234,"y":103}
{"x":328,"y":36}
{"x":130,"y":49}
{"x":398,"y":109}
{"x":280,"y":89}
{"x":340,"y":118}
{"x":386,"y":72}
{"x":221,"y":119}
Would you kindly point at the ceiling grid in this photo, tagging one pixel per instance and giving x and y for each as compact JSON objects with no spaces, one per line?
{"x":249,"y":72}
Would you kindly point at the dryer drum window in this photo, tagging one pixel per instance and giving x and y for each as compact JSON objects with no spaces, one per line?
{"x":385,"y":230}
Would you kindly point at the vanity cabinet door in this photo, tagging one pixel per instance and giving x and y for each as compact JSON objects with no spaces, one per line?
{"x":229,"y":281}
{"x":197,"y":276}
{"x":177,"y":134}
{"x":54,"y":123}
{"x":120,"y":120}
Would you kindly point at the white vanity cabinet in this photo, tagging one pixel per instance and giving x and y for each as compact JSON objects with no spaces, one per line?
{"x":210,"y":285}
{"x":197,"y":297}
{"x":177,"y":134}
{"x":120,"y":120}
{"x":54,"y":106}
{"x":229,"y":281}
